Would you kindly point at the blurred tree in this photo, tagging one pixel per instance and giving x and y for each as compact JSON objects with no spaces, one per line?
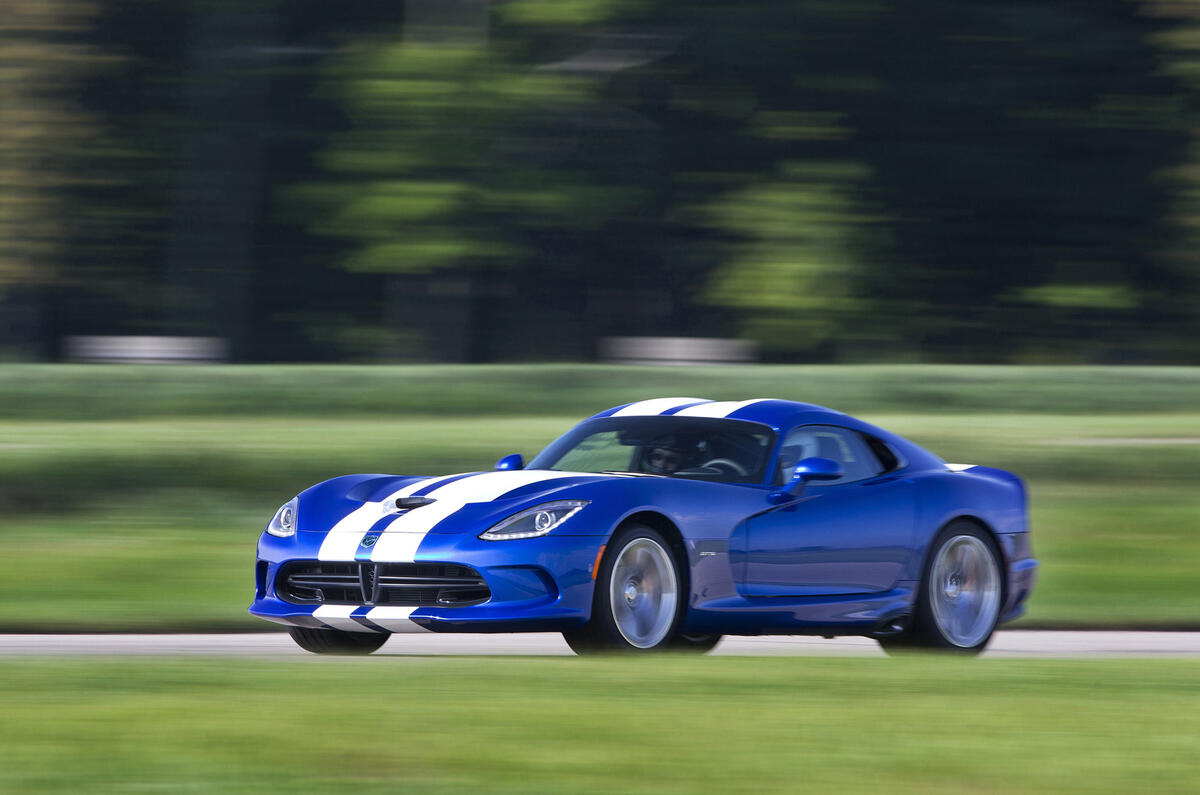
{"x":203,"y":109}
{"x":482,"y":180}
{"x":464,"y":158}
{"x":1174,"y":295}
{"x":113,"y":280}
{"x":796,"y":272}
{"x":767,"y":175}
{"x":1019,"y":148}
{"x":980,"y":180}
{"x":42,"y":54}
{"x":217,"y":187}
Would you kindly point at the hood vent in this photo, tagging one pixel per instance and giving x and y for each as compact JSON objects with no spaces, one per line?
{"x":408,"y":503}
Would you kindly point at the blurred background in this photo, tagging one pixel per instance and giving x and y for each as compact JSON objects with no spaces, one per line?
{"x":415,"y":236}
{"x":412,"y":236}
{"x":515,"y":180}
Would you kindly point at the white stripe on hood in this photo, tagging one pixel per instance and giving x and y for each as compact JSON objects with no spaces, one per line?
{"x":344,"y":537}
{"x":399,"y":541}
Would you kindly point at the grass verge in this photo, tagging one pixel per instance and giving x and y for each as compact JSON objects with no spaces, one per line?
{"x":674,"y":724}
{"x":151,"y":525}
{"x":130,"y":497}
{"x":73,"y":392}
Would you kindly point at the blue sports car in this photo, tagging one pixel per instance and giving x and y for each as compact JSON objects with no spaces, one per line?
{"x":662,"y":524}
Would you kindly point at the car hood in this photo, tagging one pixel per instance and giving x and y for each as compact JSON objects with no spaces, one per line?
{"x":457,"y":503}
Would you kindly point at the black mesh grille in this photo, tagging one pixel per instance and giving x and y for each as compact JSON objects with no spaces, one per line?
{"x":310,"y":582}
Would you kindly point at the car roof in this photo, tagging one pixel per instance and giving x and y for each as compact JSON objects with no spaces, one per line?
{"x":775,"y":413}
{"x":780,"y":415}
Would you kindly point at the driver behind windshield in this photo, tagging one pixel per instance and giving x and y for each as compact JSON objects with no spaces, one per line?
{"x":663,"y":457}
{"x":717,"y":449}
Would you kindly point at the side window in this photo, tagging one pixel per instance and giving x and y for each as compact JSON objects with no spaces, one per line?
{"x":888,"y":460}
{"x":827,"y":441}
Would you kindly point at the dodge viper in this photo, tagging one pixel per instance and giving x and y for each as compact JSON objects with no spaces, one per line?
{"x":662,"y":524}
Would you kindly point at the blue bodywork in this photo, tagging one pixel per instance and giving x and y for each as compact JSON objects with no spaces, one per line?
{"x":840,"y":559}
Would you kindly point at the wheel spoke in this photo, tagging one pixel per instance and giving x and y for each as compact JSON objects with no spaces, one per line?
{"x":964,"y":590}
{"x":651,"y":582}
{"x":960,"y":559}
{"x":644,"y":621}
{"x":643,"y":593}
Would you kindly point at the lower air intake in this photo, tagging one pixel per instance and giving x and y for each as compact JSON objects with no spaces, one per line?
{"x":313,"y":582}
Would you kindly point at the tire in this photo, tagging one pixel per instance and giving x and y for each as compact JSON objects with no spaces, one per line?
{"x":334,"y":641}
{"x":697,"y":644}
{"x":962,"y":592}
{"x":639,"y":599}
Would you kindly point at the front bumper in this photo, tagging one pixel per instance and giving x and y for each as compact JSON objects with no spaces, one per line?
{"x":537,"y":585}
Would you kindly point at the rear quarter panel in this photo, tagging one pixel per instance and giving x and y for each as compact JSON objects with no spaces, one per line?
{"x":996,"y":498}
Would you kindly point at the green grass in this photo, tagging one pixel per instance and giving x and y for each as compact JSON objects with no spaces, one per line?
{"x":271,"y":455}
{"x":174,"y":561}
{"x":673,"y":724}
{"x":149,"y":521}
{"x":240,"y":455}
{"x":73,"y":392}
{"x":157,"y":528}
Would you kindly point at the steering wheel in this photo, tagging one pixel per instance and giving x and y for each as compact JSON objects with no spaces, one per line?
{"x":719,"y":463}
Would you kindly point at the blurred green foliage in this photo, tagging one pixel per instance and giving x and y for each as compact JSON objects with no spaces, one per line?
{"x":485,"y":181}
{"x":41,"y":128}
{"x":794,"y":276}
{"x":90,"y":392}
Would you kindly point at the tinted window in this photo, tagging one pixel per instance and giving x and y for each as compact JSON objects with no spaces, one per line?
{"x":888,"y":460}
{"x":826,"y":441}
{"x":730,"y":451}
{"x":597,"y":452}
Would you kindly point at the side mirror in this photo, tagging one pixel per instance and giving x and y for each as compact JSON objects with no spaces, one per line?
{"x":807,"y":470}
{"x":510,"y":462}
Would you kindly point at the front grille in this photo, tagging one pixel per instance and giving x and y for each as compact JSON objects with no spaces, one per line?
{"x":313,"y":582}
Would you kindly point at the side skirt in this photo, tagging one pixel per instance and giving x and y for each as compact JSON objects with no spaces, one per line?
{"x":857,"y":614}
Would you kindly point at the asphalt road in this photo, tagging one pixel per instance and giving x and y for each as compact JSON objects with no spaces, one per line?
{"x":1010,"y":643}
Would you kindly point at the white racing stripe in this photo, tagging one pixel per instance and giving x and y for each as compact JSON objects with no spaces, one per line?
{"x":399,"y":541}
{"x":344,"y":537}
{"x":720,"y":408}
{"x":644,"y":408}
{"x":395,"y":619}
{"x":338,"y":617}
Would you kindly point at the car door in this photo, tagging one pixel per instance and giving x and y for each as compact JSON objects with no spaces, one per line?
{"x":849,"y":536}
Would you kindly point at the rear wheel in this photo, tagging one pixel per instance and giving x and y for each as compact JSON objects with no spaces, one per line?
{"x":638,"y":601}
{"x":334,"y":641}
{"x":961,"y":594}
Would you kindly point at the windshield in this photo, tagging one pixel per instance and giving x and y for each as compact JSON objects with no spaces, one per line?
{"x":728,"y":451}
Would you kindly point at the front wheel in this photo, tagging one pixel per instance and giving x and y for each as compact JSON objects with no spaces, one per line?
{"x":961,"y":594}
{"x":698,"y":644}
{"x":638,"y":602}
{"x":333,"y":641}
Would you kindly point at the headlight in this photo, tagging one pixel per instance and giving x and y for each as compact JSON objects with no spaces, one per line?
{"x":284,"y":522}
{"x":534,"y":522}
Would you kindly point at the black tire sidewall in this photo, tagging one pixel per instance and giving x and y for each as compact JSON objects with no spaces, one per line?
{"x":697,"y":644}
{"x":333,"y":641}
